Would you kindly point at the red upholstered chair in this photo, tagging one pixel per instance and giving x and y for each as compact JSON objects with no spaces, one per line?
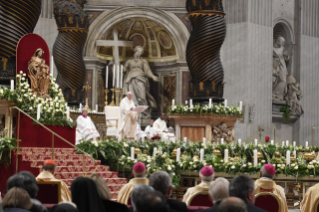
{"x":200,"y":199}
{"x":49,"y":192}
{"x":268,"y":201}
{"x":196,"y":208}
{"x":129,"y":202}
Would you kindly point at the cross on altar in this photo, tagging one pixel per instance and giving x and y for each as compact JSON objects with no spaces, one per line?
{"x":87,"y":88}
{"x":115,"y":43}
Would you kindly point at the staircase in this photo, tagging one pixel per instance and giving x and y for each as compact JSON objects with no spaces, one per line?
{"x":69,"y":166}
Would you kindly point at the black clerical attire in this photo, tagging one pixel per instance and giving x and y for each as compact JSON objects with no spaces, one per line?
{"x":252,"y":208}
{"x":176,"y":205}
{"x":212,"y":209}
{"x":111,"y":206}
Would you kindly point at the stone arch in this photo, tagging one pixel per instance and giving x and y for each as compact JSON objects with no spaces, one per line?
{"x":107,"y":19}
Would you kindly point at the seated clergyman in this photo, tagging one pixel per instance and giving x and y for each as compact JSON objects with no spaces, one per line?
{"x":86,"y":127}
{"x":139,"y":172}
{"x":47,"y":174}
{"x":265,"y":183}
{"x":160,"y":128}
{"x":149,"y":129}
{"x":206,"y":175}
{"x":310,"y":199}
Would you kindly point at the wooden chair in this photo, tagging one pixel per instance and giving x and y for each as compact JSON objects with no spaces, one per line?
{"x":200,"y":199}
{"x":268,"y":201}
{"x":49,"y":192}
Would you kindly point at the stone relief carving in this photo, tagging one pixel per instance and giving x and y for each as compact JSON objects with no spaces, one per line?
{"x":222,"y":131}
{"x":293,"y":96}
{"x":252,"y":113}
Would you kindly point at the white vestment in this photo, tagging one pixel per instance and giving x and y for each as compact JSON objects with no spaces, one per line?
{"x":86,"y":128}
{"x":128,"y":119}
{"x":149,"y":131}
{"x":160,"y":129}
{"x":140,"y":134}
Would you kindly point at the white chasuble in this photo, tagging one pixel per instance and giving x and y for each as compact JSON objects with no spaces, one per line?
{"x":160,"y":129}
{"x":86,"y":128}
{"x":128,"y":119}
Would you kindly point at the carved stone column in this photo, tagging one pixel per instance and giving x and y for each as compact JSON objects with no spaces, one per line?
{"x":73,"y":24}
{"x":203,"y":48}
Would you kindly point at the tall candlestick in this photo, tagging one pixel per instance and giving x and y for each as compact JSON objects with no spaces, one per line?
{"x":81,"y":107}
{"x":51,"y":66}
{"x":287,"y":157}
{"x":210,"y":103}
{"x":306,"y":143}
{"x":239,"y":142}
{"x":132,"y":153}
{"x":272,"y":142}
{"x":121,"y":77}
{"x":154,"y":152}
{"x":201,"y":155}
{"x":114,"y":72}
{"x":225,"y":155}
{"x":186,"y":102}
{"x":225,"y":103}
{"x":241,"y":106}
{"x":295,"y":153}
{"x":283,"y":143}
{"x":143,"y":139}
{"x":178,"y":155}
{"x":97,"y":108}
{"x":68,"y":113}
{"x":255,"y":158}
{"x":222,"y":141}
{"x":204,"y":141}
{"x":173,"y":102}
{"x":294,"y":143}
{"x":287,"y":143}
{"x":12,"y":85}
{"x":107,"y":77}
{"x":256,"y":142}
{"x":39,"y":111}
{"x":191,"y":103}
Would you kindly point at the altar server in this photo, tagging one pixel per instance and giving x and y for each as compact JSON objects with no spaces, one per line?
{"x":206,"y":176}
{"x":311,"y":197}
{"x":149,"y":129}
{"x":128,"y":117}
{"x":47,"y":174}
{"x":139,"y":172}
{"x":160,"y":128}
{"x":265,"y":183}
{"x":86,"y":127}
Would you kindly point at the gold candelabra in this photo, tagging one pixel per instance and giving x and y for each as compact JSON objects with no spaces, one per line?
{"x":112,"y":103}
{"x":116,"y":96}
{"x":106,"y":98}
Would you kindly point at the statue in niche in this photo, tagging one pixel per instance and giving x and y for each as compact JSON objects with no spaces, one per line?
{"x":280,"y":56}
{"x":222,"y":131}
{"x":137,"y":71}
{"x":293,"y":96}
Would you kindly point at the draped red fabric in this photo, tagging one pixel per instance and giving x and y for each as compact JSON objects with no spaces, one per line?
{"x":196,"y":208}
{"x":201,"y":200}
{"x":267,"y":202}
{"x":26,"y":48}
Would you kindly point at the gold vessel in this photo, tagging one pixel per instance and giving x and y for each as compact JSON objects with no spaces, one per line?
{"x":195,"y":157}
{"x":137,"y":151}
{"x":309,"y":156}
{"x":217,"y":152}
{"x":259,"y":156}
{"x":174,"y":153}
{"x":278,"y":157}
{"x":184,"y":155}
{"x":236,"y":158}
{"x":144,"y":153}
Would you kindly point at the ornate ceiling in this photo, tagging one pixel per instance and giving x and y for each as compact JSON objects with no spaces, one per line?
{"x":158,"y":44}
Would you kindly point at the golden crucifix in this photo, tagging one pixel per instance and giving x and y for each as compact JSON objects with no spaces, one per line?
{"x":87,"y":88}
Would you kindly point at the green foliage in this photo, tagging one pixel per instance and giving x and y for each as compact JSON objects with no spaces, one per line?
{"x":6,"y":147}
{"x":286,"y":112}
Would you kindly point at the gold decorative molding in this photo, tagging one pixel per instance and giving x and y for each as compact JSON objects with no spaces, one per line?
{"x":206,"y":12}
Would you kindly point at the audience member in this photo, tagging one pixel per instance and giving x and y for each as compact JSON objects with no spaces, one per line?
{"x":138,"y":194}
{"x":139,"y":172}
{"x":152,"y":201}
{"x":26,"y":181}
{"x":265,"y":183}
{"x":162,"y":182}
{"x":218,"y":190}
{"x":206,"y":175}
{"x":105,"y":195}
{"x":85,"y":195}
{"x":243,"y":187}
{"x":47,"y":173}
{"x":16,"y":200}
{"x":232,"y":204}
{"x":64,"y":207}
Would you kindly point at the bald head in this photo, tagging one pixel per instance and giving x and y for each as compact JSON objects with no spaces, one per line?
{"x":231,"y":204}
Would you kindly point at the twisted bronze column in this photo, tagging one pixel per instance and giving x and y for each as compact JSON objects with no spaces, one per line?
{"x":17,"y":18}
{"x":203,"y":48}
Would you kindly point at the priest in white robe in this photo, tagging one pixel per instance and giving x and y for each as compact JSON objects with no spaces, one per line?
{"x":149,"y":129}
{"x":86,"y":127}
{"x":128,"y":118}
{"x":160,"y":128}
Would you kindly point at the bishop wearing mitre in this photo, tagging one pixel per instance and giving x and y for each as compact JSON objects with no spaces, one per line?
{"x":128,"y":117}
{"x":86,"y":127}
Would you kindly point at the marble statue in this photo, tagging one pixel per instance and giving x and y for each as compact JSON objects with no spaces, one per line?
{"x":293,"y":96}
{"x":280,"y":56}
{"x":222,"y":131}
{"x":137,"y":71}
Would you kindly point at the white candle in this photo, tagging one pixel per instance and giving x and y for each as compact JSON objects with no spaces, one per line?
{"x":256,"y":142}
{"x":12,"y":85}
{"x":225,"y":103}
{"x":173,"y":102}
{"x":287,"y":157}
{"x":154,"y":152}
{"x":295,"y":153}
{"x":178,"y":155}
{"x":121,"y":83}
{"x":306,"y":143}
{"x":190,"y":102}
{"x":143,"y":138}
{"x":287,"y":143}
{"x":239,"y":142}
{"x":52,"y":65}
{"x":39,"y":111}
{"x":210,"y":103}
{"x":272,"y":142}
{"x":294,"y":143}
{"x":225,"y":155}
{"x":283,"y":143}
{"x":132,"y":153}
{"x":204,"y":141}
{"x":255,"y":158}
{"x":240,"y":105}
{"x":186,"y":102}
{"x":114,"y":72}
{"x":96,"y":108}
{"x":201,"y":155}
{"x":222,"y":141}
{"x":107,"y":77}
{"x":68,"y":113}
{"x":185,"y":139}
{"x":80,"y":107}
